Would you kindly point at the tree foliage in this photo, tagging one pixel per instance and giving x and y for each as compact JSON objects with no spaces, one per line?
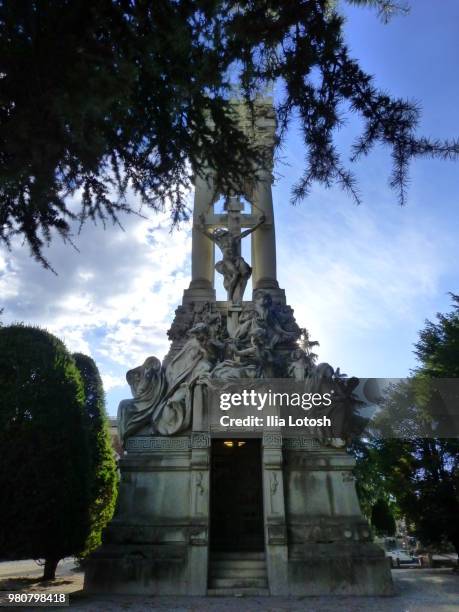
{"x":45,"y":467}
{"x":420,"y":473}
{"x":382,"y":518}
{"x":423,"y":477}
{"x":103,"y":488}
{"x":370,"y":483}
{"x":438,"y":345}
{"x":114,"y":95}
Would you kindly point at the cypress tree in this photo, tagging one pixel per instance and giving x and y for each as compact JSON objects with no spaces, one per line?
{"x":44,"y":467}
{"x":103,"y":488}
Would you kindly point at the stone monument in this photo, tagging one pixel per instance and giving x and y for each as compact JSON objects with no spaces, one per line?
{"x":204,"y":512}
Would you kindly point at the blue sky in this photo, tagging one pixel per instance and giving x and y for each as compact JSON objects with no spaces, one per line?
{"x":362,"y":279}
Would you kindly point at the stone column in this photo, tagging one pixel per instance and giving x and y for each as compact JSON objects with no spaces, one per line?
{"x":202,"y":253}
{"x":199,"y":510}
{"x":264,"y":239}
{"x":274,"y":514}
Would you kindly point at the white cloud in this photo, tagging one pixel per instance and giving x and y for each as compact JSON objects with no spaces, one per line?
{"x":114,"y":300}
{"x":111,"y":381}
{"x":355,"y":274}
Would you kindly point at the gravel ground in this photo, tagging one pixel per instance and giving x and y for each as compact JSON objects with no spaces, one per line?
{"x":417,"y":590}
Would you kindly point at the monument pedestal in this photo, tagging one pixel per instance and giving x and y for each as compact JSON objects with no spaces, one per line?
{"x":330,"y":546}
{"x":316,"y":541}
{"x":199,"y":291}
{"x":157,"y":542}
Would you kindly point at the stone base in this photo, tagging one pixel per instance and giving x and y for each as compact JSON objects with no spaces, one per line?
{"x":321,"y":569}
{"x":199,"y":291}
{"x":171,"y":569}
{"x":339,"y":569}
{"x":316,"y":541}
{"x":138,"y":570}
{"x":267,"y":285}
{"x":157,"y":543}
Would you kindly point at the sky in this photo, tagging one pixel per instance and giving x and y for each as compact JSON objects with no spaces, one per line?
{"x":362,"y":279}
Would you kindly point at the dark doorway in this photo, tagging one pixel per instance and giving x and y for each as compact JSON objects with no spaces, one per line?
{"x":236,"y":502}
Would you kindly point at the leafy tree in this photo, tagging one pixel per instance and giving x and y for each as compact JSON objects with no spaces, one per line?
{"x":114,"y":95}
{"x":438,"y":346}
{"x":422,"y":474}
{"x":103,"y":466}
{"x":410,"y":462}
{"x":370,"y":482}
{"x":45,"y":468}
{"x":382,"y":518}
{"x":306,"y":344}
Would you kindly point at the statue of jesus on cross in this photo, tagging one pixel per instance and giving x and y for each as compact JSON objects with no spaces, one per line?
{"x":235,"y":270}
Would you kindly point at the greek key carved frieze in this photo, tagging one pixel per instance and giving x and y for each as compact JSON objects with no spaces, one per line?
{"x":200,"y":440}
{"x":145,"y":444}
{"x":272,"y":440}
{"x":301,"y":443}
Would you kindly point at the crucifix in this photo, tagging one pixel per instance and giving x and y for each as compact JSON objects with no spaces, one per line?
{"x":235,"y":270}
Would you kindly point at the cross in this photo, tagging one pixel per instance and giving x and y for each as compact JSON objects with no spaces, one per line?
{"x":234,"y":207}
{"x":233,"y":218}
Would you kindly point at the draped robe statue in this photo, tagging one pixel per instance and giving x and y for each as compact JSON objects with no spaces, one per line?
{"x":186,"y":375}
{"x":164,"y":397}
{"x":148,"y":385}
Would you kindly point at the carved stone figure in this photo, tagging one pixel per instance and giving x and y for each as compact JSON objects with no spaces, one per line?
{"x":299,"y":365}
{"x":185,"y":375}
{"x":148,"y":385}
{"x":255,"y":360}
{"x":319,"y":379}
{"x":264,"y":317}
{"x":230,"y":369}
{"x":235,"y":270}
{"x":258,"y":354}
{"x":212,"y":318}
{"x":183,"y":321}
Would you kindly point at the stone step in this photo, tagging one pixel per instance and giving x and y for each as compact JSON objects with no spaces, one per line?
{"x":238,"y":583}
{"x":237,"y":572}
{"x":245,"y":563}
{"x":241,"y":592}
{"x":226,"y":556}
{"x":233,"y":573}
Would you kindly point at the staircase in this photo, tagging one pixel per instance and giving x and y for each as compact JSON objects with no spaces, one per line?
{"x":234,"y":573}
